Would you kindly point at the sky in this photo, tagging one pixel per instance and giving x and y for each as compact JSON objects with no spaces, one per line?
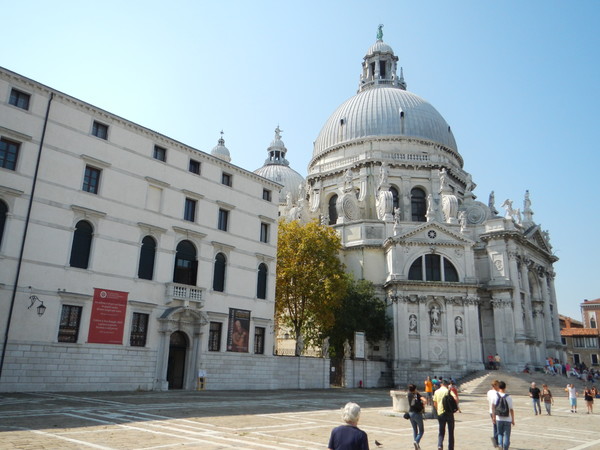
{"x":517,"y":81}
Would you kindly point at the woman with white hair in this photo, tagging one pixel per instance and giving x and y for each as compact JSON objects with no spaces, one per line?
{"x":349,"y":436}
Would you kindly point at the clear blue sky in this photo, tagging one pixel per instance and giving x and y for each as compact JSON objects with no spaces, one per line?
{"x":517,"y":81}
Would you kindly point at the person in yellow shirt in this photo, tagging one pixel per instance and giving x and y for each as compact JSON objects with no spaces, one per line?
{"x":445,"y":418}
{"x":428,"y":390}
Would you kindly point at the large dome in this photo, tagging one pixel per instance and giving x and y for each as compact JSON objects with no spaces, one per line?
{"x":384,"y":112}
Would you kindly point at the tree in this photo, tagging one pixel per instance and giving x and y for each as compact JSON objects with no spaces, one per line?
{"x":310,"y":280}
{"x":360,"y":310}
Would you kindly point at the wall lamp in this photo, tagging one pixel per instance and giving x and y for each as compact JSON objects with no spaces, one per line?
{"x":41,"y":309}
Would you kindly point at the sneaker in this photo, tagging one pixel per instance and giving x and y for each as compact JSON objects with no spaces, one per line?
{"x":416,"y":445}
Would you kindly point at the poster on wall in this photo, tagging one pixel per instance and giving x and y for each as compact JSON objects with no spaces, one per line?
{"x":238,"y":333}
{"x":108,"y":317}
{"x":359,"y":345}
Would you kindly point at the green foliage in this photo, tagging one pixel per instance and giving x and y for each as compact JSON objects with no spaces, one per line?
{"x":310,"y":278}
{"x":360,"y":310}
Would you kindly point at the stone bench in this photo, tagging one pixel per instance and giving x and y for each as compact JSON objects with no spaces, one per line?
{"x":399,"y":401}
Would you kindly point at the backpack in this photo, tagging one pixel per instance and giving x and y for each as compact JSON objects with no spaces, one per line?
{"x":449,"y":403}
{"x":501,"y":409}
{"x":416,"y":405}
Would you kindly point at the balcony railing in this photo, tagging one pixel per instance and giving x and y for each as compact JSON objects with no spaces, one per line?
{"x":184,"y":294}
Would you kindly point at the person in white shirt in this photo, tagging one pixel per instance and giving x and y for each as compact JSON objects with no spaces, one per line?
{"x":491,"y":397}
{"x":504,"y":423}
{"x":572,"y":396}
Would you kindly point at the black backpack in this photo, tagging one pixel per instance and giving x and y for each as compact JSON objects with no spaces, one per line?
{"x":449,"y":403}
{"x":416,"y":405}
{"x":501,"y":409}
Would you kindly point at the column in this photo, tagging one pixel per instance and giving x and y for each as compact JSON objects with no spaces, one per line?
{"x":450,"y":332}
{"x":162,"y":360}
{"x":529,"y":326}
{"x":549,"y":332}
{"x":424,"y":328}
{"x":516,"y":295}
{"x":555,"y":321}
{"x":474,"y":347}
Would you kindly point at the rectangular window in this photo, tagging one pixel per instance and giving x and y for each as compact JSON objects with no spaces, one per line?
{"x":594,"y":359}
{"x":226,"y":179}
{"x":19,"y":99}
{"x":160,"y":153}
{"x":190,"y":210}
{"x":139,"y":330}
{"x":267,"y":195}
{"x":223,"y":219}
{"x":70,"y":317}
{"x":259,"y":341}
{"x":100,"y":130}
{"x":9,"y":151}
{"x":214,"y":337}
{"x":91,"y":180}
{"x":195,"y":166}
{"x":264,"y":232}
{"x":576,"y":358}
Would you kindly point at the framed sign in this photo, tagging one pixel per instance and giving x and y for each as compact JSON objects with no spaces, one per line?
{"x":108,"y":317}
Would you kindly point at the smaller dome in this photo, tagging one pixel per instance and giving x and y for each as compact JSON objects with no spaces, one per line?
{"x":220,"y":151}
{"x":379,"y":47}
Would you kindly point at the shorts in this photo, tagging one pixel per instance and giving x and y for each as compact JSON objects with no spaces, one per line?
{"x":573,"y":401}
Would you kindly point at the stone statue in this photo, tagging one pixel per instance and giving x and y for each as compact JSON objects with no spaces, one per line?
{"x":412,"y":324}
{"x":380,"y":32}
{"x":278,"y":132}
{"x":469,"y":183}
{"x":430,"y":214}
{"x":383,"y":176}
{"x":491,"y":204}
{"x":434,"y":319}
{"x":526,"y":202}
{"x":347,"y":350}
{"x":511,"y":214}
{"x":443,"y":179}
{"x":458,"y":325}
{"x":325,"y":348}
{"x":325,"y":219}
{"x":396,"y":221}
{"x":462,"y":220}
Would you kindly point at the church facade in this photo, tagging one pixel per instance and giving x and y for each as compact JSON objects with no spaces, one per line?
{"x":461,"y":280}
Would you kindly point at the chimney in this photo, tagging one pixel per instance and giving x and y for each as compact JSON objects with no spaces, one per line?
{"x":567,"y":322}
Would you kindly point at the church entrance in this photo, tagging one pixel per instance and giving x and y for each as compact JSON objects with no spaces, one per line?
{"x":178,"y":346}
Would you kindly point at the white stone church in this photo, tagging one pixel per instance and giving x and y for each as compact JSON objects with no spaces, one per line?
{"x":463,"y":282}
{"x":129,"y":260}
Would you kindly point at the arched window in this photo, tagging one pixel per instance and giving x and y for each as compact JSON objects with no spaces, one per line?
{"x":82,"y":244}
{"x":432,"y":268}
{"x":396,"y":197}
{"x":3,"y":214}
{"x":418,"y":205}
{"x":147,"y":255}
{"x":333,"y":216}
{"x":219,"y":274}
{"x":186,"y":265}
{"x":261,"y":285}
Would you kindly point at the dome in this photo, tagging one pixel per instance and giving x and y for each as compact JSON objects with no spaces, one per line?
{"x":277,"y":169}
{"x":384,"y":112}
{"x":284,"y":175}
{"x":220,"y":151}
{"x":380,"y":47}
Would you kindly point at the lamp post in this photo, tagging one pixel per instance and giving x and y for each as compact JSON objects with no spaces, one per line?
{"x":41,"y":309}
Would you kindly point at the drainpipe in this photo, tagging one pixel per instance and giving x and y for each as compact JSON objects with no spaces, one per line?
{"x":20,"y":261}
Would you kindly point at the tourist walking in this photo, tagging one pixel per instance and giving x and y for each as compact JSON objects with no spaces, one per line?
{"x":572,"y":390}
{"x":588,"y":396}
{"x":547,"y":398}
{"x":534,"y":394}
{"x":445,"y":402}
{"x":415,"y":412}
{"x":491,"y":397}
{"x":504,"y":416}
{"x":349,"y":436}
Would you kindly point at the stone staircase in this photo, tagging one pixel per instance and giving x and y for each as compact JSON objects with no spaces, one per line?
{"x":480,"y":382}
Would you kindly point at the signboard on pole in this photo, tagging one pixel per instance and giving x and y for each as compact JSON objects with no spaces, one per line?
{"x":108,"y":317}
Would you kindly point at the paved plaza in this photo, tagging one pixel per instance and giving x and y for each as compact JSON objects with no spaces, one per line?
{"x":269,"y":420}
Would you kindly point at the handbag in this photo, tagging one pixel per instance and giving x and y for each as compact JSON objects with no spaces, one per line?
{"x":406,"y":415}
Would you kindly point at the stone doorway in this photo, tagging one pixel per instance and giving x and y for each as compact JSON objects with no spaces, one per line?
{"x":178,"y":345}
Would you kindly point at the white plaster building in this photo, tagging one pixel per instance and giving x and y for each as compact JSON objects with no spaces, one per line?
{"x":461,"y":281}
{"x":153,"y":260}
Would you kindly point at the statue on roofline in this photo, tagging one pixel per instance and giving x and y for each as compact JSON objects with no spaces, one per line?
{"x":380,"y":32}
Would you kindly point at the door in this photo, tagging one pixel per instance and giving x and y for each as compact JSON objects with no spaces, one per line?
{"x":176,"y":366}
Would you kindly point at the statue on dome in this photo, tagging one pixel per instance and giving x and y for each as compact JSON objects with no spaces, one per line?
{"x":278,"y":132}
{"x":443,"y":179}
{"x":491,"y":204}
{"x":380,"y":32}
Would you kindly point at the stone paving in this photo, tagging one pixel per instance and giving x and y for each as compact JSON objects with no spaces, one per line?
{"x":269,"y":420}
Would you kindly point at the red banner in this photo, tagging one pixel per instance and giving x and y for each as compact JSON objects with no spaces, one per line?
{"x":108,"y":317}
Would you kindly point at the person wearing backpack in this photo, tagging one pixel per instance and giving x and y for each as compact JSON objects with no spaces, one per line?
{"x":504,"y":416}
{"x":415,"y":411}
{"x":446,"y":405}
